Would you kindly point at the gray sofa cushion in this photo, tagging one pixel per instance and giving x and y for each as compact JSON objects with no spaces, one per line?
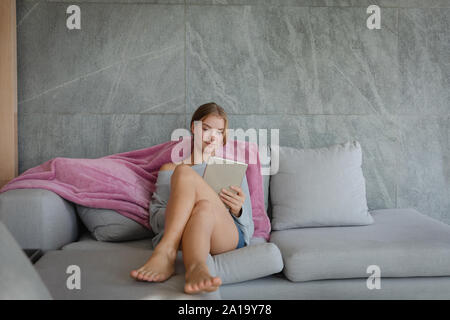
{"x":319,"y":187}
{"x":109,"y":225}
{"x":105,"y":274}
{"x":276,"y":287}
{"x":257,"y":260}
{"x":402,"y":242}
{"x":18,"y":279}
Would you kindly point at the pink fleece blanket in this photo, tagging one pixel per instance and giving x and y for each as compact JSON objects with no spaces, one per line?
{"x":125,"y":181}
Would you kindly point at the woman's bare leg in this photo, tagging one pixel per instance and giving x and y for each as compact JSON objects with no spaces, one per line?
{"x":189,"y":191}
{"x":183,"y":197}
{"x":197,"y":242}
{"x":181,"y":201}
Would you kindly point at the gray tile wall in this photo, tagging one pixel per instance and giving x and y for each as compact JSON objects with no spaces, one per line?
{"x":138,"y":69}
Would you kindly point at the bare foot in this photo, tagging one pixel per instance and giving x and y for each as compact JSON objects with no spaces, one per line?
{"x":159,"y":267}
{"x":199,"y":279}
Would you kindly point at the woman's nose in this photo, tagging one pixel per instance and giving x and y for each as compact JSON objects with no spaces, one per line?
{"x":213,"y":137}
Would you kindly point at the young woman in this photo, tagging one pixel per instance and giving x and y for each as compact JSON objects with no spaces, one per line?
{"x":187,"y":214}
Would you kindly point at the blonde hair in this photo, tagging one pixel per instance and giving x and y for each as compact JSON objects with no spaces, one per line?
{"x":208,"y":109}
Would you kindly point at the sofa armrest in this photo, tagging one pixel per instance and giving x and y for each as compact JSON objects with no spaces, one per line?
{"x":19,"y":280}
{"x":39,"y":218}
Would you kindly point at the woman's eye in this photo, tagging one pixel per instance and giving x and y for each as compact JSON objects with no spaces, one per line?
{"x":207,"y":129}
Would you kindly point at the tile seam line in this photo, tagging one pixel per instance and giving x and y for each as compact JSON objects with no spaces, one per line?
{"x":246,"y":114}
{"x":185,"y":65}
{"x":235,"y":4}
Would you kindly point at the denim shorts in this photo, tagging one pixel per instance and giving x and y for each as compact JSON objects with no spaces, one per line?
{"x":241,"y":242}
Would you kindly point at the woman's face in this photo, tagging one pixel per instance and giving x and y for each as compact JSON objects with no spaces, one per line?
{"x":213,"y":131}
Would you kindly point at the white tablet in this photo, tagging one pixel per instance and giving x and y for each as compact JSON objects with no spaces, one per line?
{"x":223,"y":173}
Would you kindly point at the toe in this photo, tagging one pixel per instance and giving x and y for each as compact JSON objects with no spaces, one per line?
{"x":140,"y":275}
{"x":146,"y":275}
{"x":194,"y":287}
{"x":155,"y":276}
{"x":205,"y":284}
{"x":188,"y":288}
{"x":216,"y":281}
{"x":134,"y":274}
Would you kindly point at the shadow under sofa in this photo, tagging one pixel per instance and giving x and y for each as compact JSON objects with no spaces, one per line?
{"x":412,"y":250}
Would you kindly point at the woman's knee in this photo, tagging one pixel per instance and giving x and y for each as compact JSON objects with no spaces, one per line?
{"x":182,"y":170}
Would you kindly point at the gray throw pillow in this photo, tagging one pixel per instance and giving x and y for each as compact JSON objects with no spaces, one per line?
{"x":257,"y":260}
{"x":319,"y":187}
{"x":109,"y":225}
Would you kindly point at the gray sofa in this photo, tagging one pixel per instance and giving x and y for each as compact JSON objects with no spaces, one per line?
{"x":411,"y":249}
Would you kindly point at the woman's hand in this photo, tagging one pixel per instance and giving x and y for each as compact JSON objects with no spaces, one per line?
{"x":234,"y":201}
